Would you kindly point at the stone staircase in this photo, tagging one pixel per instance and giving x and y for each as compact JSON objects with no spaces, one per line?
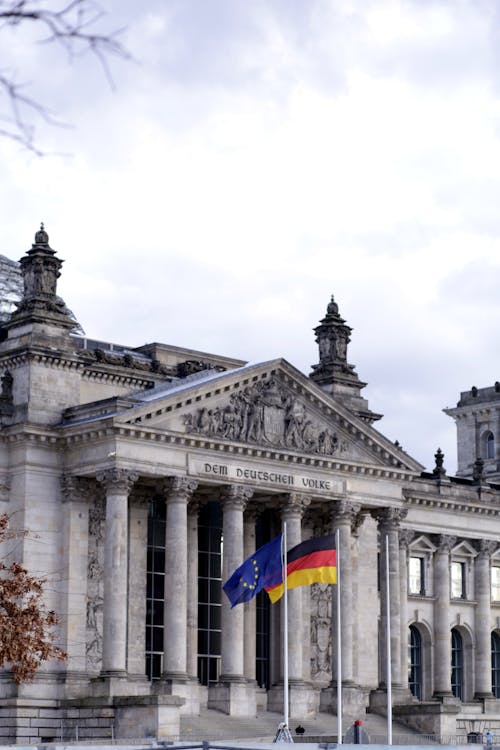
{"x":213,"y":725}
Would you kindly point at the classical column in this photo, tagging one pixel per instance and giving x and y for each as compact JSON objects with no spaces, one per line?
{"x":442,"y":632}
{"x":234,"y":499}
{"x":482,"y":593}
{"x":117,"y":484}
{"x":291,"y":514}
{"x":249,"y":612}
{"x":343,"y":515}
{"x":389,"y":520}
{"x":405,"y":537}
{"x":137,"y":584}
{"x":178,"y":491}
{"x":76,"y":494}
{"x":192,"y":589}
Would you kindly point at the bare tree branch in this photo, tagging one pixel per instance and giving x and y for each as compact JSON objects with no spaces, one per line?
{"x":73,"y":26}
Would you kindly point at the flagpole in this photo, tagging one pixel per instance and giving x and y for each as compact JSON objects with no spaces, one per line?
{"x":388,"y":643}
{"x":339,"y":644}
{"x":285,"y":628}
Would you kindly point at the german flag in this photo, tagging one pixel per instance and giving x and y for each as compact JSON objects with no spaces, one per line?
{"x":313,"y":561}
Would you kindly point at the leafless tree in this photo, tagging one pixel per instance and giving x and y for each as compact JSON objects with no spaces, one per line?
{"x":26,"y":636}
{"x":73,"y":24}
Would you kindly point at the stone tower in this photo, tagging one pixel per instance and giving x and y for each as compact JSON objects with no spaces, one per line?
{"x":477,"y":416}
{"x":333,"y":373}
{"x":38,"y":365}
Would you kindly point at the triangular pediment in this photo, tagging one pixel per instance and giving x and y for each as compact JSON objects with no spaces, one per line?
{"x":271,"y":406}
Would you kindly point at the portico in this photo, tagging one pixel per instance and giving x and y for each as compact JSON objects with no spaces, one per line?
{"x":150,"y":474}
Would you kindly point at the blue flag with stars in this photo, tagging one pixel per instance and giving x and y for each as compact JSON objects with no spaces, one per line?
{"x":262,"y":569}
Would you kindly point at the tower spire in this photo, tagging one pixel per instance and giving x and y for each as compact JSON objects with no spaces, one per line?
{"x":333,"y":373}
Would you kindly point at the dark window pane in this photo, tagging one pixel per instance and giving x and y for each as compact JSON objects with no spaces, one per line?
{"x":148,"y":639}
{"x":156,"y":661}
{"x":157,"y":639}
{"x":203,"y":558}
{"x":203,"y":641}
{"x":149,"y":587}
{"x":203,"y":590}
{"x":215,"y":592}
{"x":159,"y":560}
{"x":215,"y":641}
{"x":158,"y":608}
{"x":215,"y":566}
{"x":158,"y":586}
{"x":203,"y":615}
{"x":215,"y":616}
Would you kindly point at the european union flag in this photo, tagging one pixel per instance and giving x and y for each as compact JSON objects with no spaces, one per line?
{"x":260,"y":570}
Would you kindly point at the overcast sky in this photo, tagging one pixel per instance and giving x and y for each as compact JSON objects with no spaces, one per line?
{"x":258,"y":156}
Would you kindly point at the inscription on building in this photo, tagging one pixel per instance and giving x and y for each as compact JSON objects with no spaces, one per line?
{"x":239,"y":472}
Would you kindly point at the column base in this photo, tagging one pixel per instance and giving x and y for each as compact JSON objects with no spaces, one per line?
{"x":303,"y":699}
{"x":354,"y":701}
{"x":233,"y":696}
{"x":446,"y":697}
{"x":182,"y":685}
{"x":109,"y":684}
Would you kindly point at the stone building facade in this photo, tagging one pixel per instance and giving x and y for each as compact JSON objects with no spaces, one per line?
{"x":147,"y":475}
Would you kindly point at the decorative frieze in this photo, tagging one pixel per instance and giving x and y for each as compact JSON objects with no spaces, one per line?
{"x":266,"y":413}
{"x":95,"y":584}
{"x":321,"y":632}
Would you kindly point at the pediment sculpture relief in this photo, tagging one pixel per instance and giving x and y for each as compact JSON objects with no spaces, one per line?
{"x":267,"y":414}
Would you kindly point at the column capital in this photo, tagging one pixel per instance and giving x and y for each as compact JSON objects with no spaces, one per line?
{"x":178,"y":489}
{"x":294,"y":505}
{"x":485,"y":547}
{"x":75,"y":489}
{"x":235,"y":496}
{"x":344,"y":511}
{"x":445,"y":542}
{"x":389,"y":519}
{"x":120,"y":479}
{"x":405,"y":537}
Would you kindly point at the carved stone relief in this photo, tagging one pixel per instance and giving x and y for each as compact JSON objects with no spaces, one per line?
{"x":95,"y":585}
{"x":321,"y":629}
{"x":266,"y":413}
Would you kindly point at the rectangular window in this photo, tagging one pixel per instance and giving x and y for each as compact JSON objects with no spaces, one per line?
{"x":495,"y":583}
{"x":416,"y":581}
{"x":457,"y":580}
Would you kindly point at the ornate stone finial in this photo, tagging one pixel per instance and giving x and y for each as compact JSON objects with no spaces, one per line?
{"x":333,"y":308}
{"x":478,"y":471}
{"x":439,"y":471}
{"x":41,"y":237}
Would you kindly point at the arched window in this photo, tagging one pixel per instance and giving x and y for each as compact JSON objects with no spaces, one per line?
{"x":415,"y":662}
{"x":457,"y":664}
{"x":490,"y":445}
{"x":495,"y":664}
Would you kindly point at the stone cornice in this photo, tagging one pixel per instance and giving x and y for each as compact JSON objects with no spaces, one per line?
{"x":98,"y":372}
{"x":75,"y":434}
{"x":471,"y":504}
